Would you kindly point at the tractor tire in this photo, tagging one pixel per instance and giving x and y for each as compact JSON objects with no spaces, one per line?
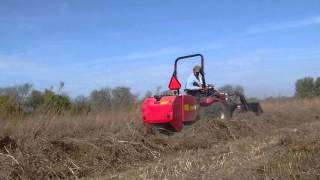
{"x":218,"y":111}
{"x":255,"y":107}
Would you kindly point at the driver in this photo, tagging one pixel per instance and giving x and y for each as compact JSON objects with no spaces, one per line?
{"x":194,"y":83}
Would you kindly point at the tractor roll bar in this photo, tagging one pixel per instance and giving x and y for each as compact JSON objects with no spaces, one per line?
{"x":191,"y":56}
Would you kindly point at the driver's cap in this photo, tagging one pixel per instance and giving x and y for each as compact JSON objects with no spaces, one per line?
{"x":196,"y":68}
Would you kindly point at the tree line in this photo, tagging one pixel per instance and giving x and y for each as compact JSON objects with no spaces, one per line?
{"x":24,"y":99}
{"x":307,"y":87}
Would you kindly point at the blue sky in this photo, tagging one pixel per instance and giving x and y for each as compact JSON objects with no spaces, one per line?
{"x":262,"y":45}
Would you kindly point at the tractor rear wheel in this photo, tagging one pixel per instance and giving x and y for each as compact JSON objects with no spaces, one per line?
{"x":255,"y":107}
{"x":217,"y":110}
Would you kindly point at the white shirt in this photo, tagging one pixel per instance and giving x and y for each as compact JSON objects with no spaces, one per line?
{"x":193,"y":80}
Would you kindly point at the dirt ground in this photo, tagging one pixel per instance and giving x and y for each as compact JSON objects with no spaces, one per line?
{"x":283,"y":143}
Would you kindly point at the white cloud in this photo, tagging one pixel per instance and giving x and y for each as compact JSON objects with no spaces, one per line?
{"x":12,"y":65}
{"x":285,"y":25}
{"x":27,"y":69}
{"x":130,"y":56}
{"x":158,"y":53}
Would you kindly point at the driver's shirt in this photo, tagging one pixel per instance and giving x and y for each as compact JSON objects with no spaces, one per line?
{"x":193,"y":83}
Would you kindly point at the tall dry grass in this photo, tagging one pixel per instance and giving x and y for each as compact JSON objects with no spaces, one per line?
{"x":112,"y":145}
{"x":290,"y":104}
{"x":283,"y":143}
{"x":51,"y":146}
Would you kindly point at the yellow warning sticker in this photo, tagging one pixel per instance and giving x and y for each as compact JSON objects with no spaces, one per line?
{"x":164,"y":102}
{"x":186,"y":107}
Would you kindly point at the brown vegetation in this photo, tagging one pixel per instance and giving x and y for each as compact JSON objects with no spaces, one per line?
{"x":283,"y":143}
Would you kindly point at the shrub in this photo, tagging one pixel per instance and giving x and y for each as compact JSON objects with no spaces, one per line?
{"x":80,"y":105}
{"x":101,"y":99}
{"x":231,"y":88}
{"x":55,"y":103}
{"x":305,"y":88}
{"x":122,"y":97}
{"x":8,"y":106}
{"x":36,"y":99}
{"x":317,"y":87}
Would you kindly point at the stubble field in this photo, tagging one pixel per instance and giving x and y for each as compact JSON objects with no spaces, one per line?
{"x":283,"y":143}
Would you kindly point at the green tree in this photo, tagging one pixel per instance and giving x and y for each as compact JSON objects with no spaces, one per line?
{"x":22,"y":94}
{"x":55,"y":103}
{"x":317,"y":87}
{"x":8,"y":106}
{"x":101,"y":99}
{"x":147,"y":94}
{"x":60,"y":103}
{"x":36,"y":100}
{"x":231,"y":88}
{"x":305,"y":87}
{"x":80,"y":105}
{"x":47,"y":96}
{"x":19,"y":94}
{"x":122,"y":97}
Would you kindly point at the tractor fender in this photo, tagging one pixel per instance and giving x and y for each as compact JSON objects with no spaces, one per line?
{"x":207,"y":101}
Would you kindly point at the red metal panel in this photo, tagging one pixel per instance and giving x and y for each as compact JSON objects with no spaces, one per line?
{"x":189,"y":109}
{"x":177,"y":114}
{"x":167,"y":110}
{"x":154,"y":111}
{"x":207,"y":101}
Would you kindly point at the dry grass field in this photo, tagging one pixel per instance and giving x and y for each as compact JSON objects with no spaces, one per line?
{"x":283,"y":143}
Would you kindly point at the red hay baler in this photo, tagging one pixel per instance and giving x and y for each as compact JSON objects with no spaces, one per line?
{"x":171,"y":112}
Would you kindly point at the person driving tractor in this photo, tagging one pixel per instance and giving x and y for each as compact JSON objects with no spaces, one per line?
{"x":194,"y":85}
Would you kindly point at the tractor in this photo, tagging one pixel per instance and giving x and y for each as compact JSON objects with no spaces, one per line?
{"x":175,"y":110}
